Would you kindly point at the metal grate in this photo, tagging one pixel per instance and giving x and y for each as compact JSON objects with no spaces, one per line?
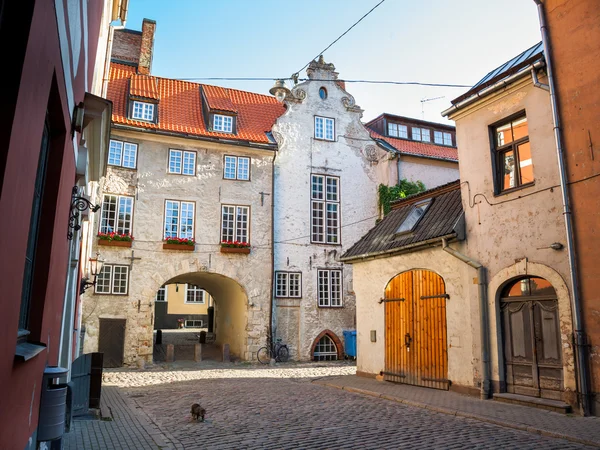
{"x":325,"y":350}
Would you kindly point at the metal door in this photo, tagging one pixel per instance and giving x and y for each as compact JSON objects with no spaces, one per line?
{"x":415,"y":330}
{"x":111,"y":341}
{"x":80,"y":384}
{"x":531,"y":334}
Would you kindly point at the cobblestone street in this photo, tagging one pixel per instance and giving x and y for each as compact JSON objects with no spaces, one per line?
{"x":251,"y":407}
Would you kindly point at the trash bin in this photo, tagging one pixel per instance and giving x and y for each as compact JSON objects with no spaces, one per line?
{"x":202,"y":339}
{"x":53,"y":405}
{"x":350,"y":343}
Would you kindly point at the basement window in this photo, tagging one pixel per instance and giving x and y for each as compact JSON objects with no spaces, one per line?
{"x":325,"y":350}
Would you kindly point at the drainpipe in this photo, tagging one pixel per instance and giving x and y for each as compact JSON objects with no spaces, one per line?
{"x":483,"y":317}
{"x":271,"y":327}
{"x":120,"y":11}
{"x":578,"y":330}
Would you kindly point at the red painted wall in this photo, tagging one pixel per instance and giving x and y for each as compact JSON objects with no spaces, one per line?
{"x":39,"y":85}
{"x":575,"y":38}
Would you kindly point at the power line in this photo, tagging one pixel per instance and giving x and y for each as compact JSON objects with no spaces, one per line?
{"x":341,"y":36}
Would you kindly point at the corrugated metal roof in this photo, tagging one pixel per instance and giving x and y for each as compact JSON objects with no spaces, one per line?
{"x":508,"y":68}
{"x":439,"y":220}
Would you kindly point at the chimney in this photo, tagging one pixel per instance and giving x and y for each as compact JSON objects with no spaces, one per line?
{"x":147,"y":46}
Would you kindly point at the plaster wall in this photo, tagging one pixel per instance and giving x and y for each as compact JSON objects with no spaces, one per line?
{"x":462,"y":310}
{"x":176,"y":301}
{"x":353,"y":157}
{"x":431,"y":172}
{"x":151,"y":186}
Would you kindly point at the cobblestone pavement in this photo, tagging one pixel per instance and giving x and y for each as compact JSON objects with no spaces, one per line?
{"x":280,"y":408}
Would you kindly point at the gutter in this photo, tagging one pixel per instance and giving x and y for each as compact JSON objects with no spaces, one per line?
{"x":483,"y":316}
{"x":579,"y":336}
{"x":495,"y":87}
{"x":272,"y":306}
{"x":415,"y":155}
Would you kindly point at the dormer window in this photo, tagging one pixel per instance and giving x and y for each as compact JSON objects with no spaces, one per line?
{"x":421,"y":134}
{"x":397,"y":130}
{"x":143,"y":111}
{"x":442,"y":138}
{"x":223,"y":123}
{"x":414,"y":216}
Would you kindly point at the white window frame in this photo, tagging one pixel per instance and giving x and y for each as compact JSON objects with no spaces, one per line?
{"x":195,"y":291}
{"x":288,"y":284}
{"x":163,"y":288}
{"x":108,"y":224}
{"x":232,"y":228}
{"x":329,"y":288}
{"x":448,"y":139}
{"x":185,"y":324}
{"x":122,"y":154}
{"x":325,"y":210}
{"x":425,"y":132}
{"x":324,"y":128}
{"x":180,"y":162}
{"x":182,"y":229}
{"x":236,"y":168}
{"x":438,"y":137}
{"x":397,"y":130}
{"x":222,"y":123}
{"x":143,"y":111}
{"x":113,"y":288}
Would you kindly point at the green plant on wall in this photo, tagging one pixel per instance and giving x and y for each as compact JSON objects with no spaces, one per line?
{"x":388,"y":194}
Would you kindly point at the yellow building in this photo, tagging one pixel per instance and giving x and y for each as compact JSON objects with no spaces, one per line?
{"x":181,"y":305}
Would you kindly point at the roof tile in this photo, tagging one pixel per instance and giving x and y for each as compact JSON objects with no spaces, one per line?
{"x":405,"y":146}
{"x":143,"y":86}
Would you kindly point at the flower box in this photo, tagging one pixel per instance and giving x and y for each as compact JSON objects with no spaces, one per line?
{"x":114,"y":243}
{"x":245,"y":250}
{"x":183,"y":247}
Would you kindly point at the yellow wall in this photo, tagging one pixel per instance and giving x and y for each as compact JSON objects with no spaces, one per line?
{"x":176,"y":301}
{"x":230,"y":318}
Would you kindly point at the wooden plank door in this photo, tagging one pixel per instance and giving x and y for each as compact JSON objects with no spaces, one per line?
{"x":416,"y":338}
{"x":111,"y":341}
{"x":80,"y":384}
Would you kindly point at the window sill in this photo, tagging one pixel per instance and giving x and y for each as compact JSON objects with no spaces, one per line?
{"x":515,"y":189}
{"x":132,"y":169}
{"x":28,"y":350}
{"x":331,"y":307}
{"x":182,"y":247}
{"x":114,"y":243}
{"x":329,"y":244}
{"x":324,"y":140}
{"x":235,"y":250}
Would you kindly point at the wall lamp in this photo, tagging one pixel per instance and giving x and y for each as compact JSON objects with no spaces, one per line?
{"x":78,"y":205}
{"x":279,"y":90}
{"x":95,"y":268}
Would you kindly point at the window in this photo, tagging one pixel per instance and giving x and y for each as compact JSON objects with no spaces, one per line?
{"x":194,"y":294}
{"x":222,"y":123}
{"x":161,"y":294}
{"x":182,"y":162}
{"x":236,"y":168}
{"x":442,"y":138}
{"x":323,"y":93}
{"x":179,"y":219}
{"x":325,"y":350}
{"x":112,"y":279}
{"x":288,"y":284}
{"x":324,"y":128}
{"x":143,"y":111}
{"x":415,"y":214}
{"x":514,"y":167}
{"x":396,"y":130}
{"x":123,"y":154}
{"x":116,"y":215}
{"x":192,"y":323}
{"x":234,"y":223}
{"x":330,"y":287}
{"x":325,"y":209}
{"x":421,"y":134}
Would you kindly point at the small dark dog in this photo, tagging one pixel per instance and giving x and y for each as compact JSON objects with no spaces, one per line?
{"x":197,"y":412}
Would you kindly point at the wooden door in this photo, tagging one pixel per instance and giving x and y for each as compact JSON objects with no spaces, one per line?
{"x":415,"y":330}
{"x":111,"y":341}
{"x":80,"y":384}
{"x":531,"y":334}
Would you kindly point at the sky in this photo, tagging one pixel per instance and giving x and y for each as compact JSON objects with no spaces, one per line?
{"x":430,"y":41}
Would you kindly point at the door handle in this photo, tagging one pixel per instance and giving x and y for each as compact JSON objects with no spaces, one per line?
{"x":407,"y":340}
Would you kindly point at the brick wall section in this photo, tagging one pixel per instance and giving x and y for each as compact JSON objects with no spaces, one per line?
{"x":147,"y":46}
{"x":126,"y":45}
{"x":334,"y":337}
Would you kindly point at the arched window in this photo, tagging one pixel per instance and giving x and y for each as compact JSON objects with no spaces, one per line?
{"x":325,"y":350}
{"x":323,"y":93}
{"x":528,"y":287}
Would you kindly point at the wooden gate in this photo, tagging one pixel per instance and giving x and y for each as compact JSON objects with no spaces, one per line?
{"x":531,"y":333}
{"x":80,"y":384}
{"x":111,"y":341}
{"x":415,"y":330}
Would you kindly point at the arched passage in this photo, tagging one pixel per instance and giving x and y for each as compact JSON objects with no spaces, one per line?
{"x":416,"y":349}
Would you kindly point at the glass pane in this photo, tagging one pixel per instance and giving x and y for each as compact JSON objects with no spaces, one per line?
{"x":425,"y":135}
{"x":294,"y":284}
{"x":120,"y":279}
{"x":413,"y":217}
{"x":336,"y":288}
{"x":281,"y":288}
{"x":103,"y":280}
{"x":329,"y":129}
{"x":114,"y":153}
{"x":171,"y":219}
{"x":129,"y":155}
{"x":187,"y":220}
{"x":392,"y":129}
{"x":332,"y":223}
{"x":447,"y":139}
{"x":227,"y":124}
{"x":230,"y":167}
{"x":243,"y":168}
{"x":416,"y":134}
{"x":529,"y":286}
{"x":437,"y":137}
{"x":109,"y":214}
{"x":525,"y":163}
{"x":319,"y":127}
{"x":520,"y":129}
{"x":317,"y":211}
{"x":174,"y":161}
{"x":323,"y":282}
{"x":189,"y":163}
{"x":503,"y":135}
{"x":508,"y":166}
{"x":125,"y":211}
{"x":403,"y":131}
{"x":227,"y":223}
{"x":317,"y":187}
{"x":332,"y":189}
{"x":241,"y":232}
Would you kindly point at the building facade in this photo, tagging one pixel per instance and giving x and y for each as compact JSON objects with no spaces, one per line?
{"x":327,"y":172}
{"x":422,"y":151}
{"x":53,"y":142}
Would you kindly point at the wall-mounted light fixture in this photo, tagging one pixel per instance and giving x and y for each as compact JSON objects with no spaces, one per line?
{"x":95,"y":268}
{"x":279,"y":90}
{"x":78,"y":205}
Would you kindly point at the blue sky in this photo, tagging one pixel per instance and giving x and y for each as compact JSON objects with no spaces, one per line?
{"x":433,"y":41}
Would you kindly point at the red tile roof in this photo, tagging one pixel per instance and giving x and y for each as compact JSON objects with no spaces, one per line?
{"x":144,"y":86}
{"x":180,"y":106}
{"x":416,"y":148}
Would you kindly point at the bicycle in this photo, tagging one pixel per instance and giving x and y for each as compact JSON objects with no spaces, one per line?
{"x":279,"y":351}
